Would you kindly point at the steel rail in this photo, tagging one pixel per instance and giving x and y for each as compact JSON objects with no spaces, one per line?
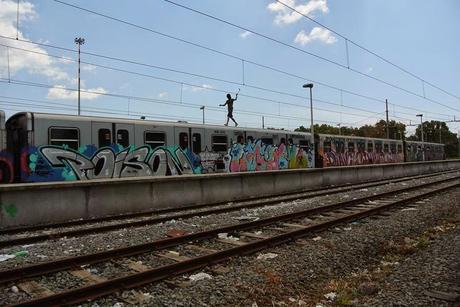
{"x":248,"y":204}
{"x":139,"y":279}
{"x":71,"y":262}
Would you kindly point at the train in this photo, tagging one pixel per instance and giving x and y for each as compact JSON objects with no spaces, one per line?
{"x":41,"y":147}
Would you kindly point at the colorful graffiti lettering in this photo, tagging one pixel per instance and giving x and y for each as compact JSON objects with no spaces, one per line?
{"x":48,"y":163}
{"x":335,"y":153}
{"x":258,"y":156}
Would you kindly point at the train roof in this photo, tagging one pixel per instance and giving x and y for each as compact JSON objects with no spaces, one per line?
{"x":37,"y":115}
{"x":84,"y":118}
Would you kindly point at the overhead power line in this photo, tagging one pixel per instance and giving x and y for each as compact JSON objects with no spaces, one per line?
{"x":201,"y":76}
{"x":206,"y":88}
{"x":309,"y":53}
{"x":239,"y":58}
{"x":160,"y":101}
{"x":367,"y":50}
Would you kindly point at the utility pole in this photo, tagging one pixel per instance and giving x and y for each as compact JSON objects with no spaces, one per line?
{"x":263,"y":122}
{"x":79,"y":41}
{"x":202,"y":108}
{"x":340,"y":129}
{"x":388,"y":125}
{"x":421,"y":132}
{"x":312,"y":130}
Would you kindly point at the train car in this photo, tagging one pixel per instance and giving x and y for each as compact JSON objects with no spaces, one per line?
{"x":338,"y":150}
{"x":48,"y":147}
{"x":418,"y":151}
{"x":6,"y":161}
{"x":56,"y":147}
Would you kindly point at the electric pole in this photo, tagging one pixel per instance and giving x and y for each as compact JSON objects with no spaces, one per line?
{"x":79,"y":41}
{"x":388,"y":125}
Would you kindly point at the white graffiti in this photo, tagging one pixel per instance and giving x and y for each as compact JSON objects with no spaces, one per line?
{"x":129,"y":162}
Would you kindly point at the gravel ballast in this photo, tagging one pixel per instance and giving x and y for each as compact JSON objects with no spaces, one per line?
{"x":384,"y":261}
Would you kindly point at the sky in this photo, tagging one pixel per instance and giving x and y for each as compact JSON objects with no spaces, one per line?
{"x":146,"y":58}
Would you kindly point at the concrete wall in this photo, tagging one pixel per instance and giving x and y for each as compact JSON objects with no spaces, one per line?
{"x":36,"y":203}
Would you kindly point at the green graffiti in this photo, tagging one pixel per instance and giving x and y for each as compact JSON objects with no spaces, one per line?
{"x":10,"y":209}
{"x":33,"y":161}
{"x":68,"y":174}
{"x":82,"y":149}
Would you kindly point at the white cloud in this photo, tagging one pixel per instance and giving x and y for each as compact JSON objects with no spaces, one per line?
{"x":316,"y":34}
{"x":20,"y":60}
{"x":60,"y":92}
{"x":245,"y":34}
{"x":199,"y":88}
{"x":163,"y":95}
{"x":369,"y":69}
{"x":37,"y":63}
{"x":286,"y":16}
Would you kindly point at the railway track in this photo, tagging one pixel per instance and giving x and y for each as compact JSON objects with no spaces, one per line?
{"x":162,"y":216}
{"x":252,"y":237}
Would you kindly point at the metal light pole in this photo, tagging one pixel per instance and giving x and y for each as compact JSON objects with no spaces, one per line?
{"x":202,"y":108}
{"x":312,"y":130}
{"x":340,"y":129}
{"x":440,"y":131}
{"x":421,"y":132}
{"x":79,"y":41}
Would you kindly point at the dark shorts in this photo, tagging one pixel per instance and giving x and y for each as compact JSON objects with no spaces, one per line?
{"x":230,"y":113}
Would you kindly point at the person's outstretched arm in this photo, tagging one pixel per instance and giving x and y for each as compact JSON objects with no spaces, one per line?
{"x":223,"y":105}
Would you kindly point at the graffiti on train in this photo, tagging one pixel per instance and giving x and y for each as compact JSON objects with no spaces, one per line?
{"x":340,"y":152}
{"x":257,"y":156}
{"x":49,"y":163}
{"x":6,"y":167}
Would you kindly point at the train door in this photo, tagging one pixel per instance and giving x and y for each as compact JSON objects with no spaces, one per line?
{"x":124,"y":134}
{"x":182,"y":138}
{"x":197,"y":140}
{"x":102,"y":134}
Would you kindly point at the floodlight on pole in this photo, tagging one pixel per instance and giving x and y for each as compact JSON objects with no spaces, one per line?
{"x":312,"y":130}
{"x":79,"y":41}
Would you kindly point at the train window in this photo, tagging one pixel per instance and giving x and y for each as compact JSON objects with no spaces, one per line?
{"x":219,"y":143}
{"x":339,"y":146}
{"x":303,"y":144}
{"x":327,"y":146}
{"x":361,"y":146}
{"x":385,"y":148}
{"x":105,"y":137}
{"x":399,"y":148}
{"x":393,"y":148}
{"x":409,"y":147}
{"x":267,"y":141}
{"x":123,"y":137}
{"x":196,"y":143}
{"x":183,"y":140}
{"x":370,"y":147}
{"x":60,"y":136}
{"x":250,"y":138}
{"x":351,"y":147}
{"x":154,"y":139}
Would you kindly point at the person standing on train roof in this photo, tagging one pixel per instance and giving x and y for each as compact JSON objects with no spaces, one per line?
{"x":229,"y":104}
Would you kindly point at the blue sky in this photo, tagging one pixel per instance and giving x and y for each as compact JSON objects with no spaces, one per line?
{"x":421,"y":36}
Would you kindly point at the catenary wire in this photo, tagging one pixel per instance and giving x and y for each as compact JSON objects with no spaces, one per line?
{"x":235,"y":57}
